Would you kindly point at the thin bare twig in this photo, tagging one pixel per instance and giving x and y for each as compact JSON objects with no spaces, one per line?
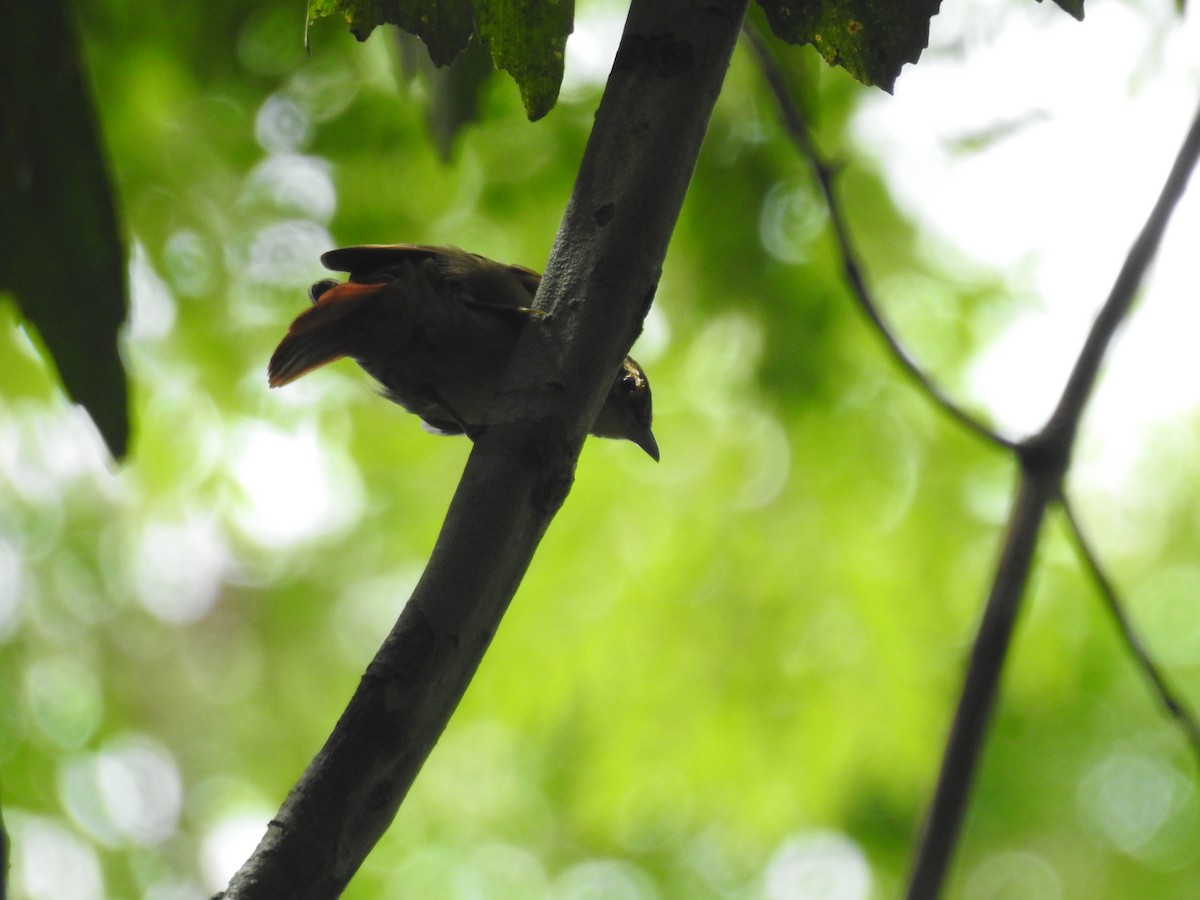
{"x":1124,"y":290}
{"x":1174,"y":706}
{"x":1035,"y":492}
{"x":797,"y":129}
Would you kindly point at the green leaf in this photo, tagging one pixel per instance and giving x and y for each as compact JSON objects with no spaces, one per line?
{"x":870,"y":39}
{"x":444,"y":25}
{"x":63,"y":255}
{"x":528,"y":39}
{"x":1074,"y":8}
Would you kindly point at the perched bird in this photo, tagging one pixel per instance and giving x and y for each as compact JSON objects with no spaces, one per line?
{"x":437,"y":326}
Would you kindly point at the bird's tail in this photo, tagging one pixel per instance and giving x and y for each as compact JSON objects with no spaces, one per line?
{"x":320,"y":335}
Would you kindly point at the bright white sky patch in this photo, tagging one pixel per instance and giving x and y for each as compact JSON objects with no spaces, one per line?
{"x":227,"y":846}
{"x":1074,"y":127}
{"x":591,"y":48}
{"x":44,"y":449}
{"x":1087,"y":119}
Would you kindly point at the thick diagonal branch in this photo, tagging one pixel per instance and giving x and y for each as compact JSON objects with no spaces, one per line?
{"x":598,"y":286}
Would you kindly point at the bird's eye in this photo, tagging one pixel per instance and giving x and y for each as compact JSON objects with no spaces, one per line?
{"x":629,"y":384}
{"x":321,"y":287}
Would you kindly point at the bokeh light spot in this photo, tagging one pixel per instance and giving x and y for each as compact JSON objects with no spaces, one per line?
{"x":178,"y":568}
{"x":191,"y":263}
{"x":1007,"y":876}
{"x":604,"y":879}
{"x":655,"y":338}
{"x":152,"y":308}
{"x":820,"y":865}
{"x":79,"y":793}
{"x":790,"y":219}
{"x":51,"y":863}
{"x":130,"y":792}
{"x":294,"y":487}
{"x":12,"y":588}
{"x":283,"y":253}
{"x":141,"y":788}
{"x":64,"y":700}
{"x":1127,"y":798}
{"x":293,"y":185}
{"x":282,"y":124}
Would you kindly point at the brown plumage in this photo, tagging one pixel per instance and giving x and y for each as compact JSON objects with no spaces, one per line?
{"x":437,"y":326}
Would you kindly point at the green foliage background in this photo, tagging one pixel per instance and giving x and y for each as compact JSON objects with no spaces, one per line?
{"x":728,"y":675}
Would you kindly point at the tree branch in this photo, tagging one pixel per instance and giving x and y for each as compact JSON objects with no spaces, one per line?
{"x":598,"y":285}
{"x":1124,"y":291}
{"x":1034,"y":494}
{"x":1044,"y":459}
{"x":1174,"y":706}
{"x":797,"y":129}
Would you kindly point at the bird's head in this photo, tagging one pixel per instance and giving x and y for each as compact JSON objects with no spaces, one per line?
{"x":627,"y":411}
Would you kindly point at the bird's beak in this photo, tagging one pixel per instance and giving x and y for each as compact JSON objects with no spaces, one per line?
{"x":644,"y":438}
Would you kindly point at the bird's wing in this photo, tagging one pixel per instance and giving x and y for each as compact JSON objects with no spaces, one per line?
{"x":367,"y":259}
{"x":487,"y":284}
{"x":481,"y":281}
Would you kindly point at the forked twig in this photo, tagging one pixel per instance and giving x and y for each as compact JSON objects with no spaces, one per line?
{"x":1044,"y":459}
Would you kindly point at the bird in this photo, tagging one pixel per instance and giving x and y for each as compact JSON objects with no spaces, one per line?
{"x":437,"y":327}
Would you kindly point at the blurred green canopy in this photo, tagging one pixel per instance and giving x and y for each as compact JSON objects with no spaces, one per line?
{"x":729,"y":675}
